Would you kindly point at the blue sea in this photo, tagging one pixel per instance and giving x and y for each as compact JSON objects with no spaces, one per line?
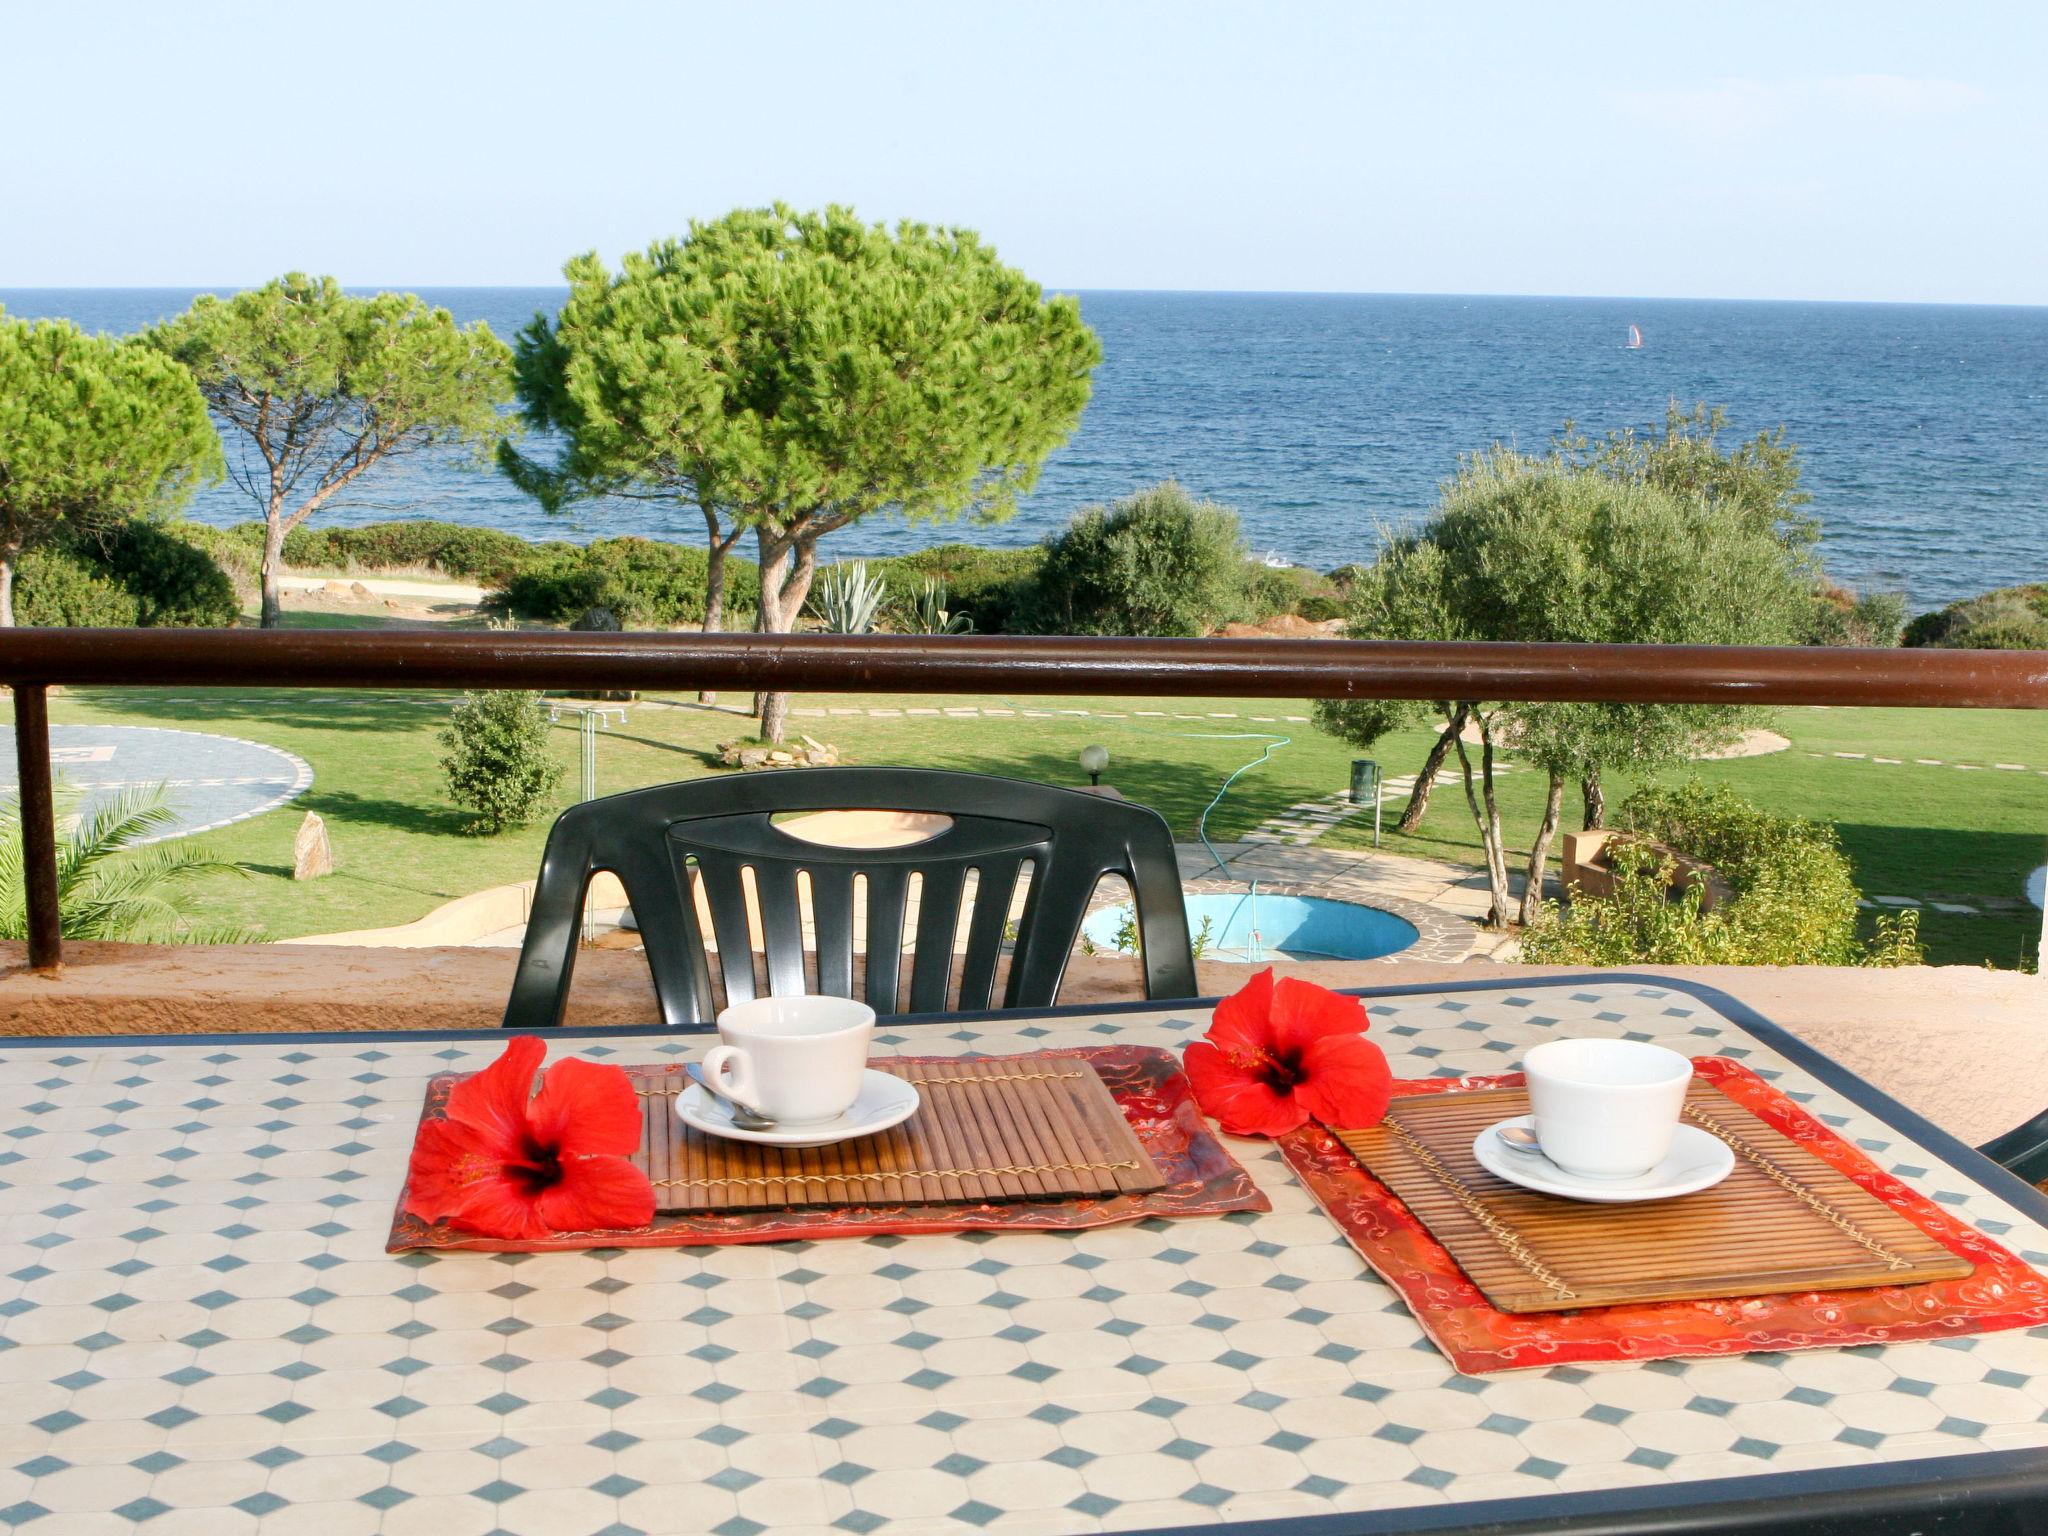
{"x":1326,"y":419}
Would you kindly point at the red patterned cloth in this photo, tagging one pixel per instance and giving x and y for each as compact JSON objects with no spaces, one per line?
{"x":1202,"y":1179}
{"x":2003,"y":1292}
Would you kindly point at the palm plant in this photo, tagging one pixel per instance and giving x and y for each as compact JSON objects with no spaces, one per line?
{"x":107,"y":886}
{"x":845,"y":600}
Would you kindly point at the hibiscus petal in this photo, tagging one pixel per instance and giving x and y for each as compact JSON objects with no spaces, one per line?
{"x":1346,"y":1082}
{"x":1238,"y":1101}
{"x":1303,"y":1013}
{"x":585,"y":1108}
{"x":499,"y":1207}
{"x":597,"y":1194}
{"x":434,"y":1181}
{"x":492,"y":1103}
{"x":1239,"y":1022}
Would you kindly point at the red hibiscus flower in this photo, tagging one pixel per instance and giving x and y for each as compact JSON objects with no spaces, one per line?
{"x":510,"y":1162}
{"x":1279,"y":1052}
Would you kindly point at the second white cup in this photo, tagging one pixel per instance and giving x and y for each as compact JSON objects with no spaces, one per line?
{"x":797,"y":1060}
{"x":1605,"y":1109}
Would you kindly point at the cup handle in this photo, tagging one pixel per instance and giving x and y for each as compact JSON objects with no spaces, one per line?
{"x":728,"y":1070}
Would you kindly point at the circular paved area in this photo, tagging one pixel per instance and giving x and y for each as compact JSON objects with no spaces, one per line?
{"x":209,"y":780}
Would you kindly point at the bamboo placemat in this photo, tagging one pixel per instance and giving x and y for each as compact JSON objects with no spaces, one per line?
{"x":1783,"y":1221}
{"x":994,"y":1129}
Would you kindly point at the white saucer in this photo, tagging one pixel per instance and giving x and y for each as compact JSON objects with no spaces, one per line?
{"x":884,"y":1101}
{"x":1698,"y":1160}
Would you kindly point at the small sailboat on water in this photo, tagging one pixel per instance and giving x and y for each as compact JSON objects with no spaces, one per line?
{"x":1635,"y":339}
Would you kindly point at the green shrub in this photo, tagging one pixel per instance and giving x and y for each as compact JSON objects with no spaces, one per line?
{"x":173,"y":580}
{"x":54,"y":588}
{"x":500,"y":764}
{"x":134,"y":573}
{"x":2010,"y":619}
{"x":648,"y":584}
{"x":489,"y":555}
{"x":1292,"y":589}
{"x":1838,"y":616}
{"x":989,"y":586}
{"x":1157,"y":563}
{"x":1794,"y":897}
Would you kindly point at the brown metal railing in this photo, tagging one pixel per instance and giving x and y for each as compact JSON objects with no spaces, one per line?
{"x":33,"y":660}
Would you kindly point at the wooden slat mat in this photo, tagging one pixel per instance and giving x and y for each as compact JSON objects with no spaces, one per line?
{"x":1783,"y":1221}
{"x":1007,"y":1128}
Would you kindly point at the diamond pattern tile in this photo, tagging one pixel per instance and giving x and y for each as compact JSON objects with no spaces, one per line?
{"x":199,"y":1330}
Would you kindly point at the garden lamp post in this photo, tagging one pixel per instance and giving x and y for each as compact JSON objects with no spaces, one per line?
{"x":1093,"y":761}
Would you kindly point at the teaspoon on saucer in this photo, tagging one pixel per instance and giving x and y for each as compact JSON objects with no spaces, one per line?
{"x":746,"y":1119}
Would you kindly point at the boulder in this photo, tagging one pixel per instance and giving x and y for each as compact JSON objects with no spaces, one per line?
{"x":312,"y":854}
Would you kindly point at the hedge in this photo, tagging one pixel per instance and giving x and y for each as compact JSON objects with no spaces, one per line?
{"x":647,"y":583}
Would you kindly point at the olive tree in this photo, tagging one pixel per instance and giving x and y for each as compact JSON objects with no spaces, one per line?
{"x":92,"y":431}
{"x":1526,"y":549}
{"x":793,"y":373}
{"x":318,"y":387}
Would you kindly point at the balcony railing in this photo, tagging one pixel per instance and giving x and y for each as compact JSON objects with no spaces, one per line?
{"x":34,"y":660}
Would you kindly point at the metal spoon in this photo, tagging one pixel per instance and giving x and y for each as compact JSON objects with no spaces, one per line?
{"x":1519,"y":1138}
{"x":743,"y":1117}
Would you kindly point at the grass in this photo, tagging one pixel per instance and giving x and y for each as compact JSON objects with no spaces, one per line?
{"x":1918,"y":831}
{"x":1936,"y":833}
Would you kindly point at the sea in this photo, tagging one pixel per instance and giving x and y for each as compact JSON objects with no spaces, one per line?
{"x":1329,"y":420}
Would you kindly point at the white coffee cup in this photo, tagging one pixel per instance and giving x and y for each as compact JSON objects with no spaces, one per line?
{"x":1605,"y":1109}
{"x":797,"y":1060}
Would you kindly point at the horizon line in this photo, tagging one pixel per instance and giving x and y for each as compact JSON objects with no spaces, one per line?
{"x":1060,"y":288}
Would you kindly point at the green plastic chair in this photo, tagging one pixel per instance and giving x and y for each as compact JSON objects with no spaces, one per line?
{"x":658,"y":841}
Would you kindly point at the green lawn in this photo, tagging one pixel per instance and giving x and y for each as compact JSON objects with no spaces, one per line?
{"x":1914,"y":831}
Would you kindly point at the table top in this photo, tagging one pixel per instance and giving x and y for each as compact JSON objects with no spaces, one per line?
{"x":200,"y":1331}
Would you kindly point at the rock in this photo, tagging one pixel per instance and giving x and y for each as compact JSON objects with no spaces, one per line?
{"x":312,"y":855}
{"x":357,"y":589}
{"x":335,"y":589}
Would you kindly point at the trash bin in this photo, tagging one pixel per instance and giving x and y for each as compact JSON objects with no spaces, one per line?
{"x":1365,"y":781}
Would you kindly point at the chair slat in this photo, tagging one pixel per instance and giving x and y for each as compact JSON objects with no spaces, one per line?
{"x":726,"y":894}
{"x":938,"y":920}
{"x":888,"y":889}
{"x":782,"y":927}
{"x":994,"y":889}
{"x":832,"y":920}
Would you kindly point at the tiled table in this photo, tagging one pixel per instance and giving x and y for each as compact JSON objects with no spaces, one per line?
{"x":200,"y":1334}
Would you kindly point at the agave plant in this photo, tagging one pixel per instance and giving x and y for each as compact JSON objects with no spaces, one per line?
{"x":107,"y":886}
{"x":845,"y":600}
{"x":926,"y":613}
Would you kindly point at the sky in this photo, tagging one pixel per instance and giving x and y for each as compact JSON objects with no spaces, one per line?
{"x":1865,"y":151}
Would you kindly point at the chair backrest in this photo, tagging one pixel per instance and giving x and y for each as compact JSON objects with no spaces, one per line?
{"x":687,"y":849}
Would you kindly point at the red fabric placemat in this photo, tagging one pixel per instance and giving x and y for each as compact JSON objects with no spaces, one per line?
{"x":1202,"y":1179}
{"x":2002,"y":1292}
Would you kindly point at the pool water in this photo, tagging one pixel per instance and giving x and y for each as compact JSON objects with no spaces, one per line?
{"x":1251,"y":929}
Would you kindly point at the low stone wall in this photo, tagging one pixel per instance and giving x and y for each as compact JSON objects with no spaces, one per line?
{"x":1967,"y":1048}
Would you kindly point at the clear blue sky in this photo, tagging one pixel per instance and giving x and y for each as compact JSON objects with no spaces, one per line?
{"x":1830,"y":151}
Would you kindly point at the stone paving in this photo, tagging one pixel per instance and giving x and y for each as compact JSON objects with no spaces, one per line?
{"x":209,"y":780}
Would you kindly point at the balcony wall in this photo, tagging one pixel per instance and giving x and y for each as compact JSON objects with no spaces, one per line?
{"x":1968,"y":1048}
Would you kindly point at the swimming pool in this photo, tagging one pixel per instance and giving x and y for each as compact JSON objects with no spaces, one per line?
{"x":1251,"y":929}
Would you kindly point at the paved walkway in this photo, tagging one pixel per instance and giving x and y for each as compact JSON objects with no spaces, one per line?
{"x":209,"y":780}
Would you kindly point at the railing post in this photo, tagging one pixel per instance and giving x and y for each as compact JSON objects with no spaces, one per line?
{"x":38,"y":812}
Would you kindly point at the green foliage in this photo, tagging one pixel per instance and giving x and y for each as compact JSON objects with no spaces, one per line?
{"x":54,"y":589}
{"x":107,"y":888}
{"x":1836,"y":616}
{"x":1157,"y":562}
{"x":500,"y":761}
{"x":1274,"y":590}
{"x":648,"y":584}
{"x":991,"y":587}
{"x":928,"y":611}
{"x":132,"y":573}
{"x":2009,"y":619}
{"x":846,"y":599}
{"x":488,"y":555}
{"x":1794,"y":897}
{"x":318,"y":387}
{"x":92,"y":431}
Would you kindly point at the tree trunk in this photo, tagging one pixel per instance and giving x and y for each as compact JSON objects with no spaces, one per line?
{"x":1539,"y":855}
{"x":7,"y":558}
{"x":1425,"y":781}
{"x":714,"y":585}
{"x":1488,"y":820}
{"x":1596,"y":801}
{"x":786,"y":568}
{"x":273,"y":566}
